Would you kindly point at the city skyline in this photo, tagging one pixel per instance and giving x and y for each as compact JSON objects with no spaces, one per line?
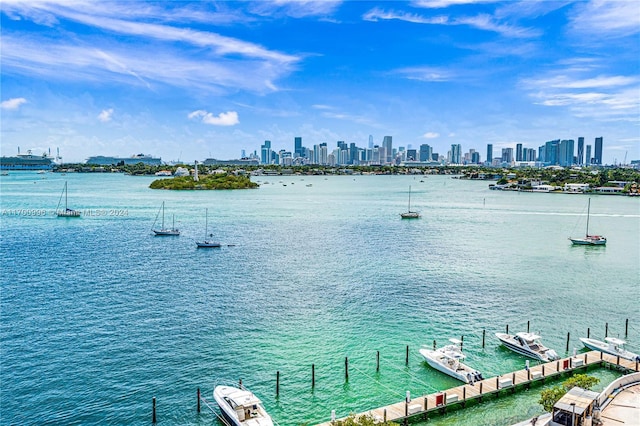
{"x":183,"y":80}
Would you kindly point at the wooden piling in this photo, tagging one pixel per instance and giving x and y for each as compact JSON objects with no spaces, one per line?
{"x":606,"y":330}
{"x":527,"y":326}
{"x":568,"y":334}
{"x":484,"y":331}
{"x":346,"y":369}
{"x":313,"y":375}
{"x":464,"y":395}
{"x":588,"y":332}
{"x":426,"y":400}
{"x":153,"y":416}
{"x":384,"y":414}
{"x":626,"y":327}
{"x":240,"y":383}
{"x":277,"y":383}
{"x":507,"y":328}
{"x":377,"y":361}
{"x":198,"y":400}
{"x":406,"y":361}
{"x":461,"y":341}
{"x":434,"y":345}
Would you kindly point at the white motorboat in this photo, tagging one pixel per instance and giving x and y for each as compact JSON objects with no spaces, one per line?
{"x":528,"y":344}
{"x":611,"y":346}
{"x":240,"y":407}
{"x":448,"y":359}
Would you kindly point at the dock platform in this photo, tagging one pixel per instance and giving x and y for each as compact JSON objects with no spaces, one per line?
{"x":421,"y":406}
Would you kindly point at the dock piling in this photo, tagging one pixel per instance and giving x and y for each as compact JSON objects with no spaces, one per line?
{"x":507,"y":328}
{"x":484,"y":331}
{"x":313,"y":376}
{"x":198,"y":400}
{"x":434,"y":345}
{"x":481,"y":391}
{"x":568,"y":334}
{"x":406,"y":362}
{"x":606,"y":330}
{"x":461,"y":341}
{"x":277,"y":383}
{"x":346,"y":369}
{"x":626,"y":327}
{"x":377,"y":361}
{"x":153,"y":415}
{"x":527,"y":326}
{"x":588,"y":332}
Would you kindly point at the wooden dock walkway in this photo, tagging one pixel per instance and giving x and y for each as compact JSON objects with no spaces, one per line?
{"x":421,"y":406}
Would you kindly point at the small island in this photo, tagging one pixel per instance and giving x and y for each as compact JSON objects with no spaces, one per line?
{"x":218,"y":181}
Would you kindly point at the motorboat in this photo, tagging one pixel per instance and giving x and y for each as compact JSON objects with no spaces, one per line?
{"x":611,"y":346}
{"x":448,"y":359}
{"x":528,"y":344}
{"x":240,"y":407}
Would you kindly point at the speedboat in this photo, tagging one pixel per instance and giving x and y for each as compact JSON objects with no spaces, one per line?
{"x":240,"y":407}
{"x":528,"y":344}
{"x":611,"y":346}
{"x":448,"y":359}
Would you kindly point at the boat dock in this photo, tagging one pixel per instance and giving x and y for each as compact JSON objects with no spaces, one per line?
{"x":420,"y":407}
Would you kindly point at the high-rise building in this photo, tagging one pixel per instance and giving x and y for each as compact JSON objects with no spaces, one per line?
{"x":370,"y":141}
{"x":425,"y":152}
{"x":588,"y":160}
{"x":475,"y":157}
{"x":387,"y":143}
{"x":265,"y":151}
{"x":519,"y":152}
{"x":580,"y":159}
{"x":298,"y":151}
{"x":507,"y":155}
{"x":489,"y":153}
{"x":597,"y":155}
{"x":551,"y":152}
{"x":456,"y":154}
{"x":565,"y":152}
{"x":412,"y":155}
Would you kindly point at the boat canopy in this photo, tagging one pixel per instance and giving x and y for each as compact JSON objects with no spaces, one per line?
{"x":614,"y":341}
{"x":455,"y":341}
{"x":528,"y":336}
{"x":242,"y":397}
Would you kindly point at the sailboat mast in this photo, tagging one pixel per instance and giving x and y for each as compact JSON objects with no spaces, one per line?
{"x":588,"y":211}
{"x":206,"y":222}
{"x":409,"y":207}
{"x":162,"y":215}
{"x":65,"y":196}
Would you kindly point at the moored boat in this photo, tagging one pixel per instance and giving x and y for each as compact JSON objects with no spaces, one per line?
{"x":611,"y":346}
{"x":589,"y":240}
{"x":448,"y":359}
{"x":173,"y":231}
{"x":240,"y":407}
{"x":410,"y":214}
{"x":207,"y":242}
{"x":528,"y":344}
{"x":67,"y":212}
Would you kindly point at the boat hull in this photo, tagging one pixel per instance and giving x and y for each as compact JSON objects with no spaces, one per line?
{"x":165,"y":233}
{"x":410,"y":215}
{"x":588,"y":242}
{"x":223,"y":394}
{"x":208,"y":245}
{"x":463,"y":374}
{"x":596,"y":345}
{"x":512,"y":345}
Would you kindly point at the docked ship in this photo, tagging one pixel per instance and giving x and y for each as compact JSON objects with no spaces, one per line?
{"x":101,"y":160}
{"x":27,"y":161}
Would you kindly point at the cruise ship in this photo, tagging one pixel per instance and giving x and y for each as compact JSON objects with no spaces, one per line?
{"x":27,"y":161}
{"x":102,"y":160}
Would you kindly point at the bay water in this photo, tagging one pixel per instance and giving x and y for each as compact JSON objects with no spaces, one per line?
{"x":98,"y":316}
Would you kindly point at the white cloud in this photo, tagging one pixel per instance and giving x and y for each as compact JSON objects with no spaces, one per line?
{"x":105,"y":115}
{"x":13,"y":103}
{"x":431,"y":135}
{"x":437,"y":4}
{"x":426,"y":73}
{"x":379,"y":14}
{"x":229,"y":118}
{"x":605,"y":18}
{"x":295,"y":8}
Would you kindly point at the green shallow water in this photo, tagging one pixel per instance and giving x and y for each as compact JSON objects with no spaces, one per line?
{"x":98,"y":316}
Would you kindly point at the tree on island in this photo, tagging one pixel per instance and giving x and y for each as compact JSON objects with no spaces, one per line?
{"x":549,"y":397}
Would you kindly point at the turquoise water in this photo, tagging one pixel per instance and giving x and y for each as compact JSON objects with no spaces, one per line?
{"x":98,"y":316}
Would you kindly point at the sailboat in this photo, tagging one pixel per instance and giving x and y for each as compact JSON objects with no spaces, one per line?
{"x":67,"y":212}
{"x":409,"y":214}
{"x":164,"y":231}
{"x":207,"y":243}
{"x":589,"y":240}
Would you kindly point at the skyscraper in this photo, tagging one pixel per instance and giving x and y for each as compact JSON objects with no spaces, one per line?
{"x":298,"y":152}
{"x":589,"y":160}
{"x":456,"y":154}
{"x":597,"y":155}
{"x":519,"y":152}
{"x":425,"y":152}
{"x":565,"y":152}
{"x":489,"y":153}
{"x":387,"y":143}
{"x":580,"y":161}
{"x":507,"y":155}
{"x":265,"y":157}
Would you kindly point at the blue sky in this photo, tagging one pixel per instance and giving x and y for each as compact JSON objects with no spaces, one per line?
{"x":191,"y":80}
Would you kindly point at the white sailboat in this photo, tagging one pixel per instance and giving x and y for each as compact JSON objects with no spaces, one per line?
{"x":409,"y":214}
{"x":67,"y":212}
{"x":207,"y":242}
{"x":589,"y":240}
{"x":164,"y":231}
